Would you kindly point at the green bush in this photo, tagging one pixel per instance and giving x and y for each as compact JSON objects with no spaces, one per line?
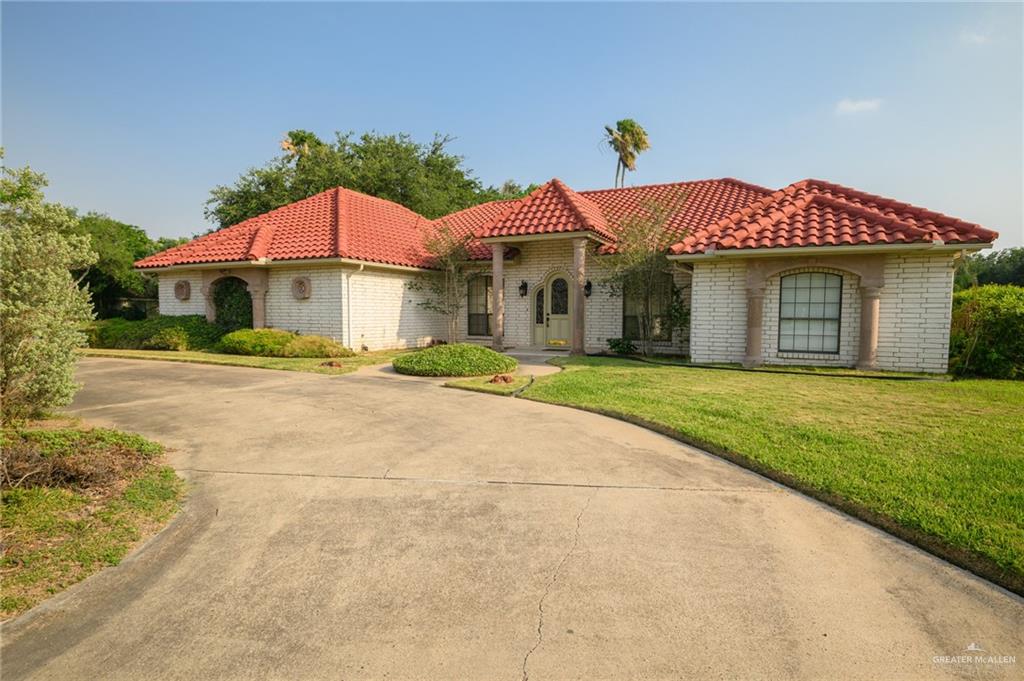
{"x":621,"y":346}
{"x":278,"y":343}
{"x":257,"y":342}
{"x":460,"y":359}
{"x":233,"y":304}
{"x":987,"y":332}
{"x":171,"y":338}
{"x":198,"y":333}
{"x":315,"y":346}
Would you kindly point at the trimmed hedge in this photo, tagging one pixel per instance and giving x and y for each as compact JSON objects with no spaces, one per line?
{"x":278,"y":343}
{"x":987,"y":332}
{"x":460,"y":359}
{"x":187,"y":332}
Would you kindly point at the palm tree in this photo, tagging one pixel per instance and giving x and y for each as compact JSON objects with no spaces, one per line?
{"x":627,"y":139}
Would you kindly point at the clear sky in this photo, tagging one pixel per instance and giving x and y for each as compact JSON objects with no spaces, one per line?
{"x":138,"y":109}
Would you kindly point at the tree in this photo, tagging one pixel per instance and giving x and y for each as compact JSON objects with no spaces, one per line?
{"x":641,"y":261}
{"x":1005,"y":266}
{"x":627,"y":139}
{"x":425,"y":178}
{"x":41,"y":306}
{"x":113,"y":277}
{"x":445,"y":288}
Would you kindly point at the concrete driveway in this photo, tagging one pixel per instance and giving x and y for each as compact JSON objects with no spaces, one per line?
{"x":373,"y":526}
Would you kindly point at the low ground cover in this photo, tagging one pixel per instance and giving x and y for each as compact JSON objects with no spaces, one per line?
{"x":486,"y":384}
{"x":74,"y":501}
{"x":459,"y":359}
{"x":318,"y":365}
{"x":941,"y":463}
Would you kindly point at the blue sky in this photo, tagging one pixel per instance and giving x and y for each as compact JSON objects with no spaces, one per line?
{"x":139,"y":109}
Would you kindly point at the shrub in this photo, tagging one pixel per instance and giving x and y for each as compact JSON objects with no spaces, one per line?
{"x":233,"y":304}
{"x":315,"y":346}
{"x":42,"y":309}
{"x":278,"y":343}
{"x":460,"y":359}
{"x":171,"y":338}
{"x":621,"y":346}
{"x":987,"y":332}
{"x":119,"y":333}
{"x":258,"y":342}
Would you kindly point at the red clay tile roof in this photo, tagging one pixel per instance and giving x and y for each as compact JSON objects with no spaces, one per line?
{"x":723,"y":214}
{"x":337,"y":223}
{"x":818,"y":213}
{"x":552,"y":208}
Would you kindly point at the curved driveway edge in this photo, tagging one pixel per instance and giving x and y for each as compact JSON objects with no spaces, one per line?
{"x":365,"y":526}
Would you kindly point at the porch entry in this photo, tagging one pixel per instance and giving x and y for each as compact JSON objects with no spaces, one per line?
{"x":552,"y":312}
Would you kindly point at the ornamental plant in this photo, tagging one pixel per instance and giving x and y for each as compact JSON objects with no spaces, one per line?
{"x":42,"y":308}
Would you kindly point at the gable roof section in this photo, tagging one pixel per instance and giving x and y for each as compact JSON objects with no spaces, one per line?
{"x":552,"y":208}
{"x":818,"y":213}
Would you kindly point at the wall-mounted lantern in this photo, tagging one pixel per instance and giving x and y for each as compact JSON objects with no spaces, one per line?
{"x":522,"y":289}
{"x":588,"y":288}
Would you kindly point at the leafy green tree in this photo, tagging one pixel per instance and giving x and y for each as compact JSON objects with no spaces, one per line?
{"x":628,"y":140}
{"x":641,"y":262}
{"x":425,"y":178}
{"x":1005,"y":266}
{"x":42,"y":307}
{"x":113,"y":277}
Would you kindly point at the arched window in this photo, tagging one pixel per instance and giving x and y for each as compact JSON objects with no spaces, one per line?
{"x":478,"y":303}
{"x":809,"y":311}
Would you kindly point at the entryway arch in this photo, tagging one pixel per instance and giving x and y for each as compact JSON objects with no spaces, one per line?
{"x":255,"y":282}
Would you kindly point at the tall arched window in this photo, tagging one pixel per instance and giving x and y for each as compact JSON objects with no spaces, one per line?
{"x":809,"y":310}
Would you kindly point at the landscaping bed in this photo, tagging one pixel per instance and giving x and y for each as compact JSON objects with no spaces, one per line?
{"x":74,"y":501}
{"x":488,"y":384}
{"x":938,"y":463}
{"x":459,"y":359}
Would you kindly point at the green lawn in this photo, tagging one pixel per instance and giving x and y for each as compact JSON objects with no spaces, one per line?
{"x":482,"y":384}
{"x":345,"y":364}
{"x":112,"y":492}
{"x":941,"y":463}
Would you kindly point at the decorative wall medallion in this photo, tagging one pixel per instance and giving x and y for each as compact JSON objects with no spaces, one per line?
{"x":182,"y":290}
{"x":301,"y":288}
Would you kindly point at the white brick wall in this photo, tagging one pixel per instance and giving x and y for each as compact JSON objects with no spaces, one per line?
{"x":914,"y":315}
{"x":603,"y":311}
{"x":386,"y":312}
{"x":169,"y":305}
{"x":718,"y":317}
{"x":320,"y":314}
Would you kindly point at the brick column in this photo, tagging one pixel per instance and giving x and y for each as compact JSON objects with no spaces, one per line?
{"x":259,"y":306}
{"x":867,"y":357}
{"x":498,"y":296}
{"x":755,"y":320}
{"x":579,"y":262}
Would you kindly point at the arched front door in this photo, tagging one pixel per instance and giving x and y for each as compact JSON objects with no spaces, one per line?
{"x":552,"y":312}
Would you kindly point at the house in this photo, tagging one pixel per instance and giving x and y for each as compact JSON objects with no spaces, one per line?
{"x":814,"y":273}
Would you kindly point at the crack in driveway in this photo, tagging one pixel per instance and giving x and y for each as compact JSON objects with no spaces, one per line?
{"x":551,"y":583}
{"x":520,"y":483}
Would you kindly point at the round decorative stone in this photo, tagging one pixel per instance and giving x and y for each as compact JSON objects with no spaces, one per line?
{"x":182,"y":290}
{"x":301,"y":288}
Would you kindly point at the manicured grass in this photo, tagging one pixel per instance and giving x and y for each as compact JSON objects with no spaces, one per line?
{"x":482,"y":384}
{"x":109,"y":491}
{"x":344,"y":364}
{"x":458,"y":359}
{"x":943,"y":461}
